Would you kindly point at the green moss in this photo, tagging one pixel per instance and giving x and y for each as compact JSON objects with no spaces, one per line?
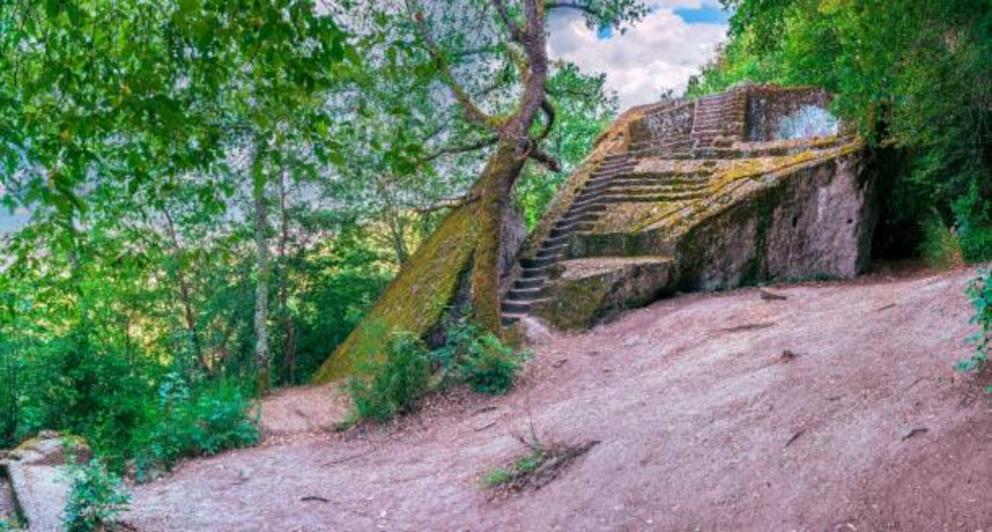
{"x":431,"y":275}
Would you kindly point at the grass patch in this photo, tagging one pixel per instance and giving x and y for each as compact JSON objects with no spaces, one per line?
{"x":535,"y":469}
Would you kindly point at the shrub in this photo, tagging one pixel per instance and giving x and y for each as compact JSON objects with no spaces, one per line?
{"x":392,"y":382}
{"x":941,"y":247}
{"x":477,"y":358}
{"x":979,"y":292}
{"x":186,"y":422}
{"x":95,"y":498}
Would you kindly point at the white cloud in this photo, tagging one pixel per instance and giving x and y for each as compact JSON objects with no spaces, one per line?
{"x":659,"y":53}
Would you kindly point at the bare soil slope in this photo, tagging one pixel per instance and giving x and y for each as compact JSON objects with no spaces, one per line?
{"x":704,"y":424}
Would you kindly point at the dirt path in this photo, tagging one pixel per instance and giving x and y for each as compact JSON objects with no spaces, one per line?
{"x":703,"y":424}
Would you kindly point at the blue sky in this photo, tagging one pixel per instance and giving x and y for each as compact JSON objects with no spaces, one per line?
{"x":673,"y":41}
{"x":10,"y":221}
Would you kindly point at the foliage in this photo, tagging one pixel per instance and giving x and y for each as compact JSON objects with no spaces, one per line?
{"x":979,"y":292}
{"x":96,"y":496}
{"x":391,"y":383}
{"x":164,"y":153}
{"x":940,"y":246}
{"x":497,"y":476}
{"x":187,"y":422}
{"x":477,"y":358}
{"x":585,"y":108}
{"x":914,"y":77}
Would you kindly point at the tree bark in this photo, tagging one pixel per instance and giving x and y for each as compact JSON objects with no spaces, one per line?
{"x":185,"y":296}
{"x":494,"y":190}
{"x":289,"y":331}
{"x":262,"y":358}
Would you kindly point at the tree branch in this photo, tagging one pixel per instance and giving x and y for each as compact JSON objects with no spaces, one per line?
{"x":578,"y":6}
{"x":516,"y":32}
{"x":451,"y":150}
{"x":473,"y":113}
{"x":447,"y":203}
{"x":544,"y":158}
{"x":549,"y":113}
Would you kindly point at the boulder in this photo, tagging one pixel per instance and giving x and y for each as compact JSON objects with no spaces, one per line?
{"x":37,"y":473}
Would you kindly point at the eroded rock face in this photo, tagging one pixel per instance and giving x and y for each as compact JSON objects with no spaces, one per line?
{"x":814,"y":222}
{"x":709,"y":211}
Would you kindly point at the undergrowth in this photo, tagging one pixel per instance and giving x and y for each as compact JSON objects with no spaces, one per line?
{"x":392,"y":382}
{"x":941,"y":247}
{"x":979,"y":291}
{"x":96,"y":497}
{"x":187,"y":422}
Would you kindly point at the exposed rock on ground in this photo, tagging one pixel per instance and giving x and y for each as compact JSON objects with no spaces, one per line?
{"x":38,"y":484}
{"x":701,"y":423}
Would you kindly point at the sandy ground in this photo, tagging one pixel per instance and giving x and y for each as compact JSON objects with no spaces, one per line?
{"x":703,"y":424}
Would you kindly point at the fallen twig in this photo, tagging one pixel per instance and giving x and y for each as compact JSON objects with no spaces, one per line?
{"x":795,"y":437}
{"x":914,"y":432}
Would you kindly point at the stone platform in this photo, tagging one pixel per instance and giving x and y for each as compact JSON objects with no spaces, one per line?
{"x":753,"y":185}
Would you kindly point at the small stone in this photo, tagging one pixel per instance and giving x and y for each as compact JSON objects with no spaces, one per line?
{"x":767,"y":295}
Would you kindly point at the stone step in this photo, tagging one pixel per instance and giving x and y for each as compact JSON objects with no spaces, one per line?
{"x":661,"y":195}
{"x":550,"y":245}
{"x":524,"y":294}
{"x":534,"y":272}
{"x":577,"y":218}
{"x":569,"y":229}
{"x":654,"y":152}
{"x":538,"y":262}
{"x":533,"y":282}
{"x":515,"y":306}
{"x":584,"y":209}
{"x":590,"y":199}
{"x":555,"y":240}
{"x":509,"y":318}
{"x":620,"y":161}
{"x":654,"y":198}
{"x":551,"y":253}
{"x":646,"y":182}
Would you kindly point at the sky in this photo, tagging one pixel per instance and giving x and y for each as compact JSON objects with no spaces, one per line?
{"x":672,"y":43}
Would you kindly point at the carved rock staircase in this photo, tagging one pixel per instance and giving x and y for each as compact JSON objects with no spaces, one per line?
{"x":611,"y":183}
{"x":718,"y":118}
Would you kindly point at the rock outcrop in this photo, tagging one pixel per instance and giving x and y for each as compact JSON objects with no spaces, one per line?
{"x":700,"y":195}
{"x":38,"y":483}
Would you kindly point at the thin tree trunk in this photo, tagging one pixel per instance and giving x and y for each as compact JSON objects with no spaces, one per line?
{"x":289,"y":331}
{"x":397,"y":231}
{"x":262,"y":357}
{"x":394,"y":221}
{"x":185,"y":297}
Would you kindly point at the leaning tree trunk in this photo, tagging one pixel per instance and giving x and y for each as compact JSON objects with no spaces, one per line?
{"x":464,"y":249}
{"x":494,"y":191}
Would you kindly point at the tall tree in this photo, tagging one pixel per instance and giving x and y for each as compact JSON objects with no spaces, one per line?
{"x":464,"y":43}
